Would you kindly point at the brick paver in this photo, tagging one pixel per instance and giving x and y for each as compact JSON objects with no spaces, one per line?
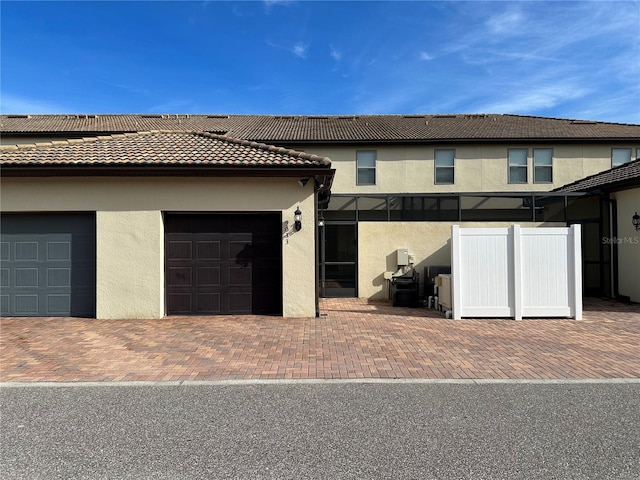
{"x":352,"y":339}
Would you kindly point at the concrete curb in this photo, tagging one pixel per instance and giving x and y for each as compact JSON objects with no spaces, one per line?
{"x":397,"y":381}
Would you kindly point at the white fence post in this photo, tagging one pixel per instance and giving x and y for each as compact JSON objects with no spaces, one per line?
{"x":575,"y":247}
{"x":456,"y":272}
{"x":517,"y":271}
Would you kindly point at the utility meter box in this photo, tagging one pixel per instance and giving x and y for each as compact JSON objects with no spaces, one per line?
{"x":402,"y":255}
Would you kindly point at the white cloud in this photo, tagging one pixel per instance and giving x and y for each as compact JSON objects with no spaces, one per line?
{"x":531,"y":98}
{"x":508,"y":23}
{"x":335,"y":54}
{"x":424,"y":56}
{"x":300,"y":50}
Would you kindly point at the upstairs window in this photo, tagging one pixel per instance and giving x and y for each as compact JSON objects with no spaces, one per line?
{"x":620,"y":156}
{"x":518,"y":165}
{"x":366,"y":167}
{"x":542,"y":165}
{"x":445,"y":163}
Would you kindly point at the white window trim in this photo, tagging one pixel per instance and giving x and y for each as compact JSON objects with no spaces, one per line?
{"x":542,"y":166}
{"x":629,"y":149}
{"x":509,"y":166}
{"x":436,"y":167}
{"x":374,"y":168}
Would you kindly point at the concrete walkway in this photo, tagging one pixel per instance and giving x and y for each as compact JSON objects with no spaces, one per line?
{"x":353,"y":339}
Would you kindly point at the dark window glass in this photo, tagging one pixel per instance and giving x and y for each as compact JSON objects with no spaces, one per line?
{"x":550,"y":209}
{"x":423,"y":208}
{"x":583,"y":208}
{"x":341,"y":208}
{"x":340,"y":243}
{"x":372,"y":209}
{"x":488,"y":208}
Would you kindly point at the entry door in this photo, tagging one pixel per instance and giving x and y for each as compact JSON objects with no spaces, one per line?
{"x":338,"y":260}
{"x":223,"y":264}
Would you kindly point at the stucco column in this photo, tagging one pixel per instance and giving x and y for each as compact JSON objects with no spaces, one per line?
{"x":129,"y":264}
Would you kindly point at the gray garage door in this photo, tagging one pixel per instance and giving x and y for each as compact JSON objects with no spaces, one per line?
{"x":48,"y":265}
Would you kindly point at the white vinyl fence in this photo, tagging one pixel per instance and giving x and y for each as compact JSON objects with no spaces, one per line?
{"x":516,"y":272}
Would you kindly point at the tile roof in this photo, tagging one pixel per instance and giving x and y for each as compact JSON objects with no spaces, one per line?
{"x":628,"y":173}
{"x":354,"y":128}
{"x":158,"y":148}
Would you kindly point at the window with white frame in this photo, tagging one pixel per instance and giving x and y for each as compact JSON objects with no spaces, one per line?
{"x":518,"y":158}
{"x":620,"y":156}
{"x":444,"y":165}
{"x":366,"y":167}
{"x":542,"y":165}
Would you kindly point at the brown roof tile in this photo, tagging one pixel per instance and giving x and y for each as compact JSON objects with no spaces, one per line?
{"x":159,"y":148}
{"x":357,"y":128}
{"x":627,"y":174}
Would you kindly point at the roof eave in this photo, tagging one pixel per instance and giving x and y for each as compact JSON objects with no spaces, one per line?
{"x":119,"y":170}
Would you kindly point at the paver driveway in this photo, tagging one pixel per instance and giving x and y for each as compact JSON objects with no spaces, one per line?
{"x":352,"y":339}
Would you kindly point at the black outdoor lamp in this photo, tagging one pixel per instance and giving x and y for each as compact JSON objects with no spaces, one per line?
{"x":297,"y":219}
{"x":636,"y":221}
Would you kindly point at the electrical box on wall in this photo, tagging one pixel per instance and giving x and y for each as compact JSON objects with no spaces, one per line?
{"x":402,"y":255}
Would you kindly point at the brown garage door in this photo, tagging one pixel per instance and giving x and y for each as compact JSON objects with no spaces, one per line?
{"x":223,"y":263}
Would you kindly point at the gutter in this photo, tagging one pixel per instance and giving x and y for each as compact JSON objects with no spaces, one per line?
{"x":178,"y":170}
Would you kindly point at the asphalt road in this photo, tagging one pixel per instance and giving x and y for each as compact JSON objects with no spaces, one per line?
{"x":322,"y":431}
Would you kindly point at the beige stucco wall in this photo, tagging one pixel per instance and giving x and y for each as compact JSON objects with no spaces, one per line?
{"x":628,"y":242}
{"x":478,"y":168}
{"x":429,"y":242}
{"x":130,"y":265}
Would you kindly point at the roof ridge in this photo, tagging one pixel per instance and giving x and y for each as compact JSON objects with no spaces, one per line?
{"x":266,"y":147}
{"x":76,"y":141}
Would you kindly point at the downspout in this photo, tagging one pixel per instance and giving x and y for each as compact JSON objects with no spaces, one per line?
{"x":316,"y":229}
{"x":613,"y":235}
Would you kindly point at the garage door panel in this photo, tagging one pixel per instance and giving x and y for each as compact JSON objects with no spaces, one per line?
{"x":208,"y":250}
{"x":4,"y":304}
{"x":59,"y":251}
{"x":58,"y":304}
{"x":26,"y":251}
{"x":48,"y":264}
{"x":240,"y":303}
{"x":224,"y":248}
{"x":27,"y":304}
{"x":179,"y":276}
{"x":208,"y":276}
{"x":179,"y":303}
{"x":208,"y":303}
{"x":58,"y":277}
{"x":26,"y":277}
{"x":4,"y":251}
{"x":180,"y":250}
{"x":239,"y":276}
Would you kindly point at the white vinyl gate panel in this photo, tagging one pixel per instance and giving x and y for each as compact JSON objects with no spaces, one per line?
{"x":487,"y":282}
{"x":546,"y":282}
{"x":516,"y":272}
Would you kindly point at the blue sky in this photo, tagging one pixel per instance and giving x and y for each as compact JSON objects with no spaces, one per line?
{"x":558,"y":59}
